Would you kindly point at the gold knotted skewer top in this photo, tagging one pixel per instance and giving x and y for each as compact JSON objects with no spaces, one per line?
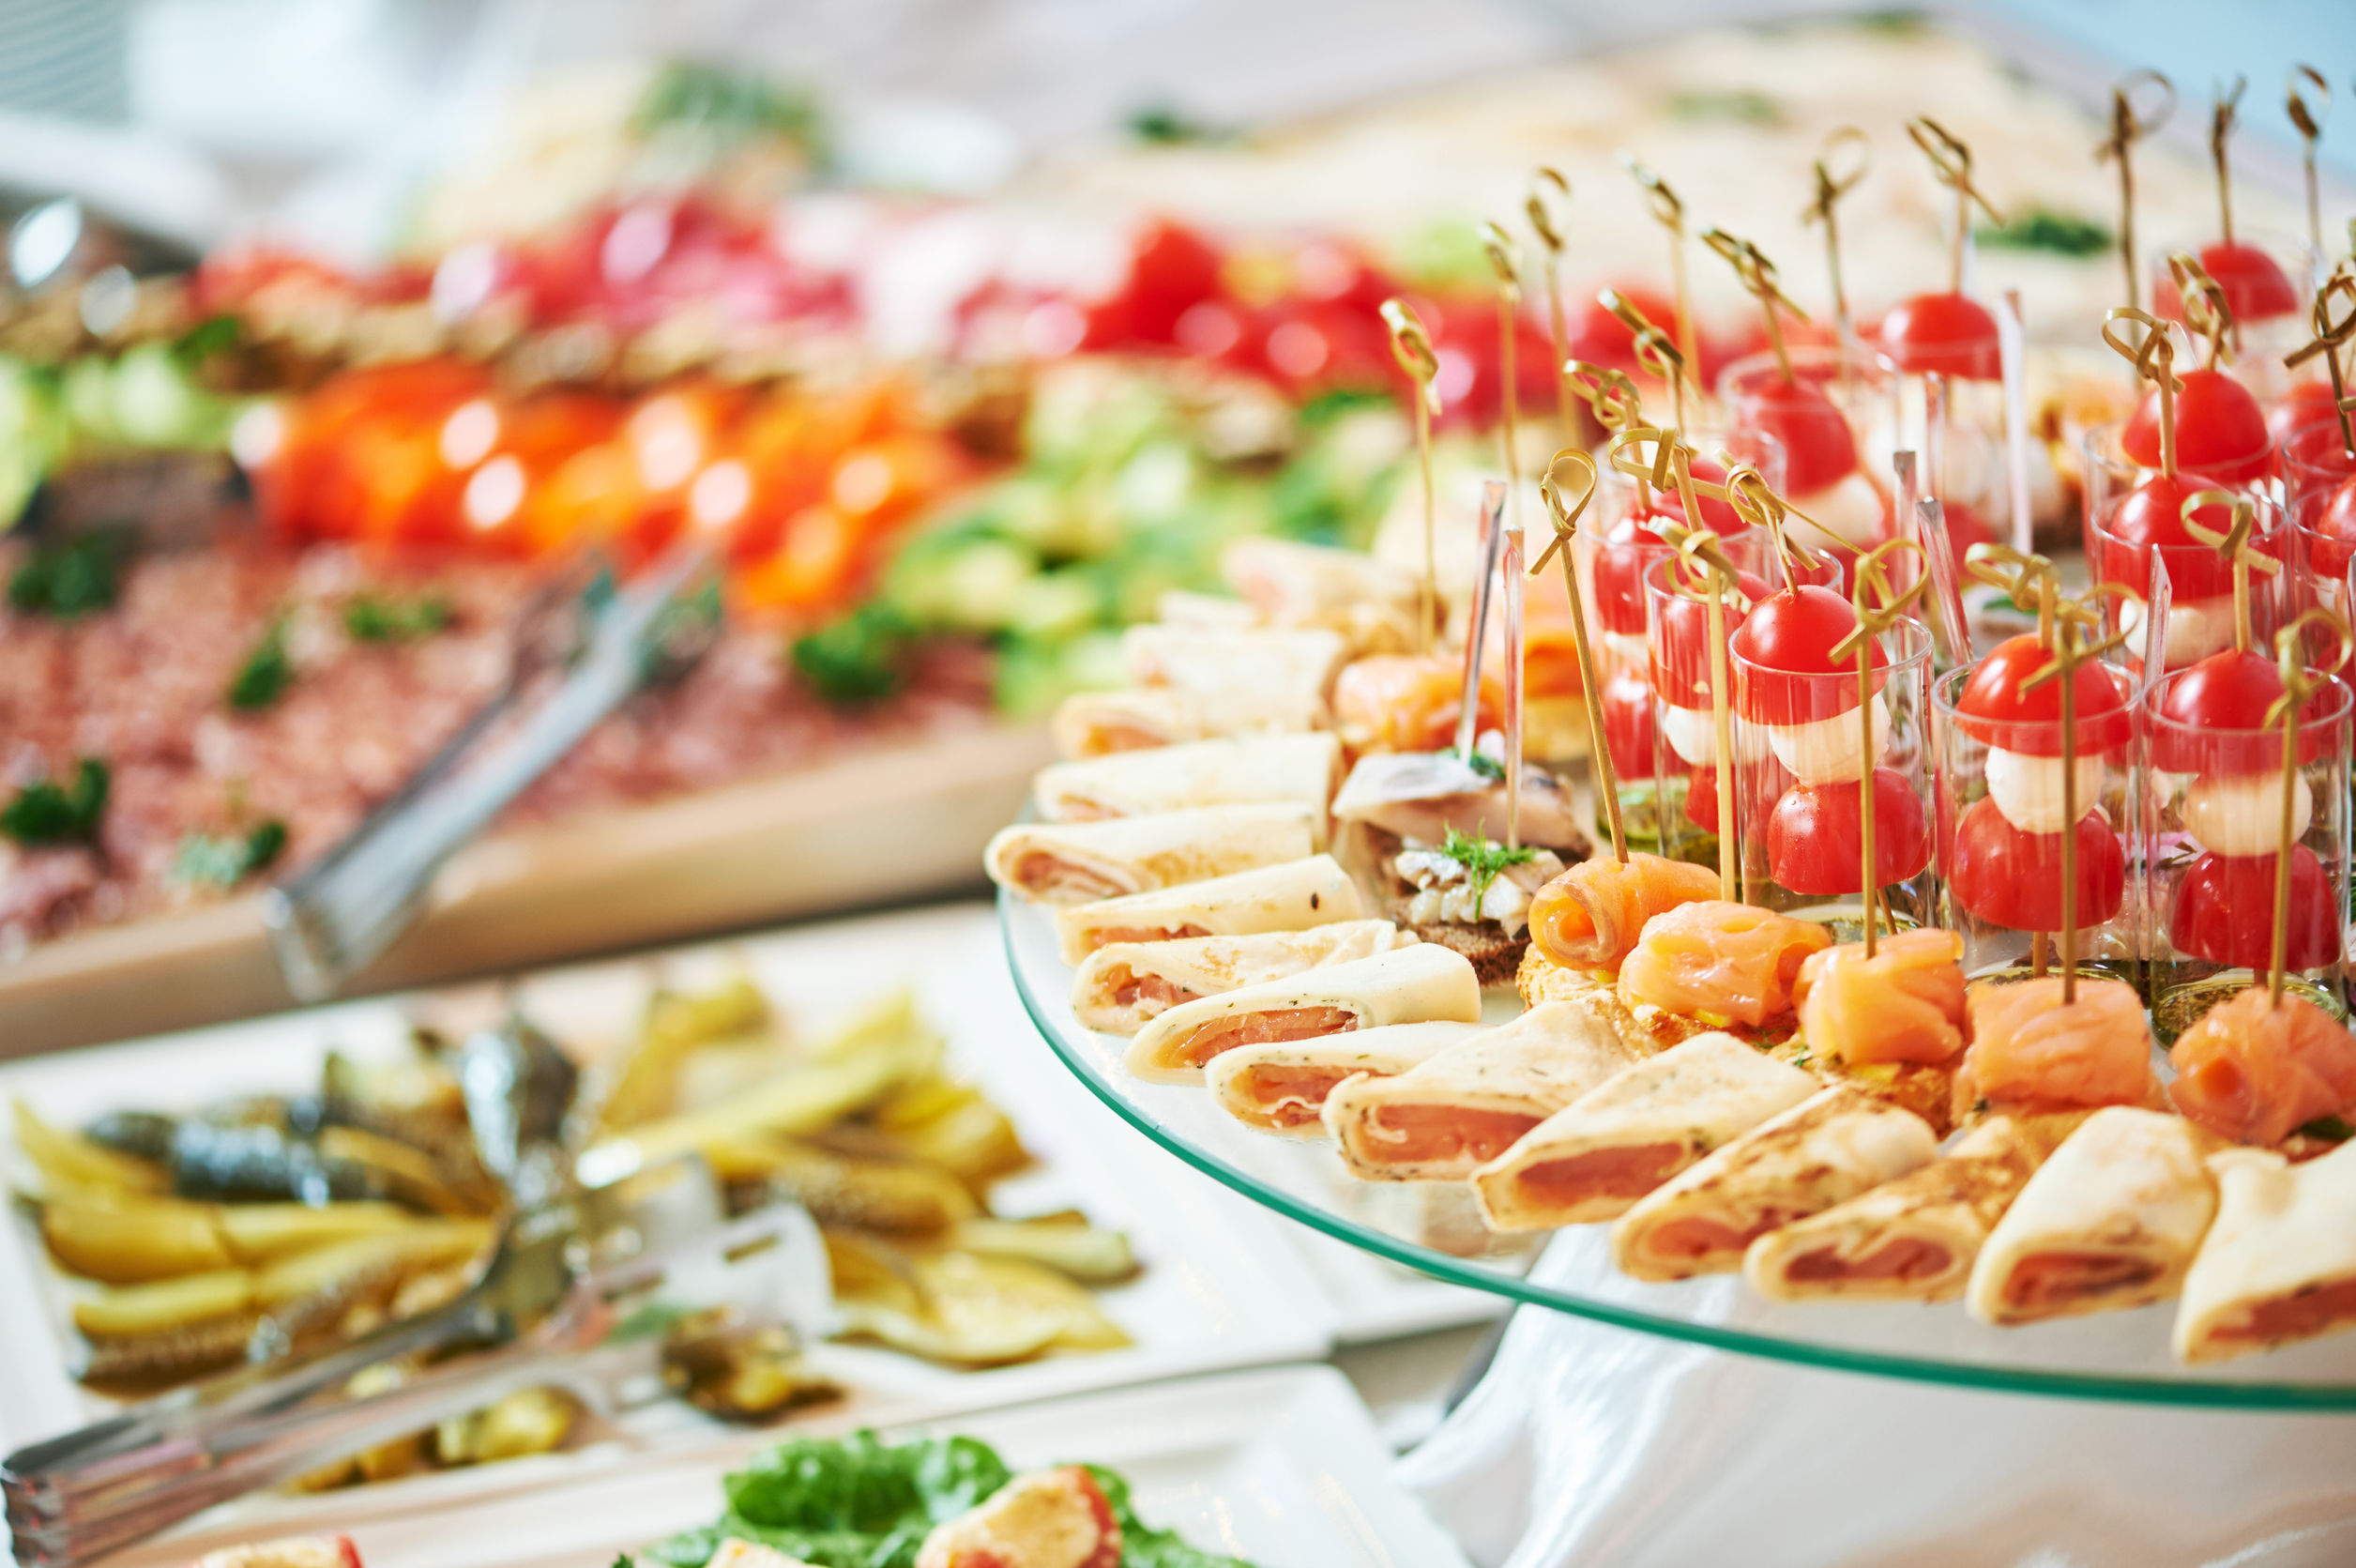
{"x":1653,"y":349}
{"x":2206,"y":312}
{"x":1830,"y":188}
{"x":2070,"y":647}
{"x":1880,"y":605}
{"x":2329,"y":338}
{"x":1499,"y":247}
{"x":1757,"y":276}
{"x":1550,"y":239}
{"x":1411,"y":347}
{"x":1567,"y":487}
{"x":2300,"y":681}
{"x":1951,"y":165}
{"x":2025,"y":578}
{"x":2153,"y":356}
{"x":2225,"y":107}
{"x":1746,"y":490}
{"x":1707,"y":570}
{"x":1608,"y":392}
{"x":1670,"y":212}
{"x":2234,"y":547}
{"x":2309,"y":122}
{"x":2126,"y":130}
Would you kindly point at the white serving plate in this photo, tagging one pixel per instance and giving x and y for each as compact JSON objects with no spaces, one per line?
{"x":1281,"y":1466}
{"x":1218,"y":1291}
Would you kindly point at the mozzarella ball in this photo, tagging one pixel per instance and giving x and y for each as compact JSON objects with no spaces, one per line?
{"x":1629,"y":647}
{"x":1849,"y":510}
{"x":1829,"y":750}
{"x":2027,"y":789}
{"x":2242,"y":814}
{"x":2196,"y":629}
{"x":1691,"y":733}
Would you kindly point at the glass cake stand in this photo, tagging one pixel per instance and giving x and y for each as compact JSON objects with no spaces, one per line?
{"x":1435,"y":1227}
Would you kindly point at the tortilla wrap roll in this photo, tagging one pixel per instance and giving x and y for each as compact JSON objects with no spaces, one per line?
{"x":2279,"y":1263}
{"x":1279,"y":770}
{"x":1281,"y":1085}
{"x":1371,"y":603}
{"x":1598,"y":1155}
{"x":1830,"y":1148}
{"x":1420,"y":984}
{"x":1915,"y":1239}
{"x":1101,"y":723}
{"x":2111,"y":1220}
{"x":1083,"y":862}
{"x":1439,"y":1120}
{"x":1295,"y":895}
{"x":1298,"y":664}
{"x":1118,"y":988}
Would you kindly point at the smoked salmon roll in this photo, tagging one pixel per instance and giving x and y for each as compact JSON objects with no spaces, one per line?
{"x":2030,"y":1049}
{"x":1714,"y":960}
{"x":1589,"y":917}
{"x":1906,"y":1003}
{"x":1419,"y":984}
{"x":2255,"y":1072}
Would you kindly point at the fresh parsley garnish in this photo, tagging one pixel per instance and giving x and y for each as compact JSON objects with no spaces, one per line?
{"x":1486,"y":765}
{"x":2058,"y":231}
{"x":265,"y":675}
{"x":48,"y":813}
{"x":372,"y":618}
{"x":2336,"y":1129}
{"x":859,"y":658}
{"x":70,"y":578}
{"x":224,"y":862}
{"x":1483,"y":858}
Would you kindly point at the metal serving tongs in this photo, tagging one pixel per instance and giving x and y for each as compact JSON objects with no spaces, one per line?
{"x":578,"y":1294}
{"x":330,"y":921}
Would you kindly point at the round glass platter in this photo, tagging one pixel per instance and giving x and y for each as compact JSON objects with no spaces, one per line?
{"x":1435,"y":1227}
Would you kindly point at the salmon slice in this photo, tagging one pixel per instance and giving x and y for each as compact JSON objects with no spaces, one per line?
{"x":1906,"y":1003}
{"x":2049,"y":1282}
{"x":1719,"y":960}
{"x":1618,"y":1171}
{"x":2256,"y":1072}
{"x":1709,"y":1244}
{"x":1904,"y":1259}
{"x":1107,"y":936}
{"x":1260,"y":1028}
{"x":1591,"y":916}
{"x":1153,"y":993}
{"x":1403,"y":701}
{"x":1413,"y":1135}
{"x":1289,"y":1097}
{"x":2316,"y":1311}
{"x":2029,"y":1047}
{"x":1049,"y":876}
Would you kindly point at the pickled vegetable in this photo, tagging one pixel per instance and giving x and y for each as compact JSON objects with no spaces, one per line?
{"x":135,"y":1242}
{"x":67,"y":1160}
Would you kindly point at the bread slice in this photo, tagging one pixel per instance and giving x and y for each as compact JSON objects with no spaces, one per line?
{"x":1495,"y":956}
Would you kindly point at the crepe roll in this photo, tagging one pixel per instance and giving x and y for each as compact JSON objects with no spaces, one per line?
{"x":1281,"y":769}
{"x":1636,"y":1130}
{"x":2279,"y":1264}
{"x":1298,"y":896}
{"x":1188,"y":611}
{"x":1416,"y":984}
{"x":1441,"y":1119}
{"x":1118,"y":988}
{"x":1300,"y":663}
{"x":1825,"y":1151}
{"x":1372,"y":603}
{"x":1915,"y":1239}
{"x":1099,"y":723}
{"x":1280,"y":1087}
{"x":2111,"y":1220}
{"x":1081,"y":862}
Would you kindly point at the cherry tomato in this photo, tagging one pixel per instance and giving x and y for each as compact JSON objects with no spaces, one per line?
{"x":1617,"y":575}
{"x":1628,"y":725}
{"x":2307,"y":402}
{"x":2220,"y":428}
{"x":1701,"y":797}
{"x":2332,"y":535}
{"x":1944,"y":334}
{"x":2013,"y":880}
{"x":1681,"y":641}
{"x":1795,"y":631}
{"x":2230,"y":690}
{"x":2255,"y":286}
{"x":1172,"y":268}
{"x":1994,"y":707}
{"x":2153,"y":514}
{"x":1811,"y":836}
{"x":2225,"y":912}
{"x":1819,"y":448}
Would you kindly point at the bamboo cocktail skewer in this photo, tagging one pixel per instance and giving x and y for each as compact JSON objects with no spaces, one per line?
{"x":1550,"y":238}
{"x":1879,"y":606}
{"x":1412,"y":349}
{"x":2126,"y":130}
{"x":1567,"y":487}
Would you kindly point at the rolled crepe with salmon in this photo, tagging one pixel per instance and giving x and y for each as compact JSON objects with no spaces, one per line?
{"x":1418,"y":985}
{"x":1100,"y":723}
{"x":1081,"y":863}
{"x":1277,"y":769}
{"x":1636,"y":1130}
{"x":1911,"y":1239}
{"x":1371,"y":603}
{"x":2111,"y":1220}
{"x":1298,"y":896}
{"x":1299,"y":663}
{"x":1441,"y":1119}
{"x":2279,"y":1264}
{"x":1118,"y":988}
{"x":1830,"y":1148}
{"x":1280,"y":1087}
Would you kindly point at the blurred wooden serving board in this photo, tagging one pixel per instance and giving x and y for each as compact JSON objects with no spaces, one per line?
{"x":882,"y":824}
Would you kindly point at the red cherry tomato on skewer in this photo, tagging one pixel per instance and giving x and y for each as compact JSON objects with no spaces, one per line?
{"x":2307,"y":402}
{"x":1627,"y":726}
{"x":2225,"y":912}
{"x":1819,"y":448}
{"x":2220,"y":428}
{"x":1680,"y":642}
{"x":2255,"y":286}
{"x":2013,"y":880}
{"x":1795,"y":631}
{"x":1994,"y":707}
{"x":1619,"y":575}
{"x":2152,"y":515}
{"x":2336,"y":533}
{"x":2231,"y":691}
{"x":1944,"y":334}
{"x":1813,"y":843}
{"x":1701,"y":797}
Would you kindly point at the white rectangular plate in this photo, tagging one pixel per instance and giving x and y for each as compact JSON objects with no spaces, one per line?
{"x":1280,"y":1467}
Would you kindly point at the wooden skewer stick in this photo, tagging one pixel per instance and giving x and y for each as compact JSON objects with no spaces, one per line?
{"x":1757,"y":275}
{"x":2071,"y":649}
{"x":1830,"y":188}
{"x":1550,"y":237}
{"x":1499,"y":247}
{"x":1879,"y":605}
{"x":1671,"y":214}
{"x":1412,"y":349}
{"x":2153,"y":356}
{"x":2309,"y":123}
{"x":1653,"y":350}
{"x":2299,"y":683}
{"x":1567,"y":487}
{"x":2329,"y":338}
{"x":1951,"y":165}
{"x":2205,"y":309}
{"x":2221,"y":112}
{"x":2126,"y":130}
{"x":2235,"y":547}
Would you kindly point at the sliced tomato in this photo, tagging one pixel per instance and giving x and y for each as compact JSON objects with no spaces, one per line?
{"x":1629,"y":730}
{"x":1944,"y":334}
{"x":1813,"y":843}
{"x":2013,"y":880}
{"x":1993,"y":707}
{"x":2224,"y":911}
{"x":1794,"y":632}
{"x":2220,"y":428}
